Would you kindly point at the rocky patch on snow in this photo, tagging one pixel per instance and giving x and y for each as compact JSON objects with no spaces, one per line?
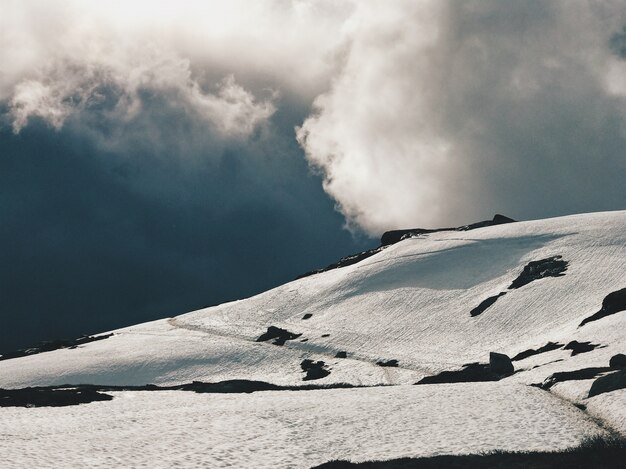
{"x":553,"y":266}
{"x":575,"y":375}
{"x":530,"y":352}
{"x":485,"y":304}
{"x":499,"y":367}
{"x":471,"y":372}
{"x":613,"y":303}
{"x":279,"y":335}
{"x":56,"y":396}
{"x":49,"y":397}
{"x":389,"y":363}
{"x":344,"y":262}
{"x":314,"y":370}
{"x":394,"y":236}
{"x":580,"y":347}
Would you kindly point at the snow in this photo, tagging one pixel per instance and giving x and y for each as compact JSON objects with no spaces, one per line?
{"x":291,"y":429}
{"x":411,"y":302}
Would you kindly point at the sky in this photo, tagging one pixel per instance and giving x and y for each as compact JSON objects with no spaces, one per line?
{"x":159,"y":156}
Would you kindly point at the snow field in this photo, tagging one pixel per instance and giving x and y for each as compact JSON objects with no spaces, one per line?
{"x":290,"y":429}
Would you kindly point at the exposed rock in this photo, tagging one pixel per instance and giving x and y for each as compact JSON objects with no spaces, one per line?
{"x":618,"y":361}
{"x":580,"y":347}
{"x":49,"y":397}
{"x":84,"y":393}
{"x":392,"y":237}
{"x":470,"y":373}
{"x":485,"y":304}
{"x":344,"y":262}
{"x":530,"y":352}
{"x":54,"y":345}
{"x":325,"y":335}
{"x":314,"y":370}
{"x":281,"y":335}
{"x":229,"y":386}
{"x":608,"y":383}
{"x":576,"y":375}
{"x":307,"y":316}
{"x":391,"y":363}
{"x":500,"y":364}
{"x":612,"y":303}
{"x":341,"y":354}
{"x":553,"y":266}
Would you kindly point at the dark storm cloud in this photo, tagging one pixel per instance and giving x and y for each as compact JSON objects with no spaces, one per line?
{"x":95,"y":236}
{"x":147,"y":159}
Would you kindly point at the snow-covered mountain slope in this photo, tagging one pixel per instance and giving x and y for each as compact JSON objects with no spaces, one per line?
{"x":413,"y":303}
{"x":410,"y":303}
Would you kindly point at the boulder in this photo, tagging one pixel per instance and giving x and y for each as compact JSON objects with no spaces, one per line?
{"x":608,"y":383}
{"x":618,"y":361}
{"x":500,"y":364}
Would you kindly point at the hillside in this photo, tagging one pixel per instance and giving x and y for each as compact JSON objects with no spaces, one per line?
{"x":548,"y":293}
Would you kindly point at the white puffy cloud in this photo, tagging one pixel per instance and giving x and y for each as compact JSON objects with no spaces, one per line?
{"x":224,"y":62}
{"x":446,"y":112}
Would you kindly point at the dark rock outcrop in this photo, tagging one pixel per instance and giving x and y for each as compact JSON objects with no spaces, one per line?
{"x":55,"y":345}
{"x":394,"y":236}
{"x":280,"y":335}
{"x":390,"y":363}
{"x":314,"y":370}
{"x":344,"y":262}
{"x":580,"y":347}
{"x":49,"y":397}
{"x":485,"y":304}
{"x":500,"y":364}
{"x":307,"y":316}
{"x":530,"y":352}
{"x":534,"y":270}
{"x":85,"y":393}
{"x":613,"y":303}
{"x":553,"y":266}
{"x":618,"y":361}
{"x":470,"y":373}
{"x":575,"y":375}
{"x":341,"y":354}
